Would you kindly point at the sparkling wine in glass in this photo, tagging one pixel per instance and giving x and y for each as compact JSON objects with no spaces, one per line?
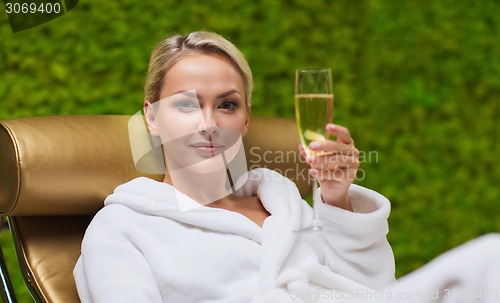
{"x":313,"y":110}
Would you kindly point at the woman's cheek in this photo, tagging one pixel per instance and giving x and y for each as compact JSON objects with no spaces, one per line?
{"x":176,"y":125}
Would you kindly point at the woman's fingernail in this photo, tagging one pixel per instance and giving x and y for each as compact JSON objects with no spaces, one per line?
{"x":313,"y":145}
{"x":309,"y":159}
{"x":330,"y":126}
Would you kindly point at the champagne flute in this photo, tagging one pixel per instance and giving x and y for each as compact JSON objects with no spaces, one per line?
{"x":313,"y":110}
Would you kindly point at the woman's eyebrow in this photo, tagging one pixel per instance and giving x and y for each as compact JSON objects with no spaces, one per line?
{"x":228,"y":93}
{"x":188,"y":93}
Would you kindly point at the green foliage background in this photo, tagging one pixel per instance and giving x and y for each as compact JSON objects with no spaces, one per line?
{"x":416,"y":82}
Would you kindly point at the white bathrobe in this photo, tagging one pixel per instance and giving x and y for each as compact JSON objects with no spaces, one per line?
{"x":141,"y":248}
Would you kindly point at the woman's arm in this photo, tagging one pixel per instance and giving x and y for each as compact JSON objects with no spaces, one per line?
{"x":355,"y":216}
{"x":357,"y":246}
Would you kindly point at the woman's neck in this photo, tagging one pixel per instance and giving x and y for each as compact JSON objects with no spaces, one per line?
{"x":203,"y":188}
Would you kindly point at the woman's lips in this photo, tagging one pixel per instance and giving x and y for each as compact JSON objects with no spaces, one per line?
{"x":207,"y":148}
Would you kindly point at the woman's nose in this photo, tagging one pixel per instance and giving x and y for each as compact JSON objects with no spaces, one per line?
{"x":209,"y":124}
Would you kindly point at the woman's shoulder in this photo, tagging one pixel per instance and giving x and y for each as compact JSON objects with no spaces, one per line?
{"x":109,"y":222}
{"x":124,"y":205}
{"x":141,"y":194}
{"x":139,"y":185}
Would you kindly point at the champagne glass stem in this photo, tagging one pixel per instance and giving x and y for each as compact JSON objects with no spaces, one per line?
{"x":315,"y":224}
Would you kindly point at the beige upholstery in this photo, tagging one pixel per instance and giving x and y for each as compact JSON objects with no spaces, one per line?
{"x":56,"y":171}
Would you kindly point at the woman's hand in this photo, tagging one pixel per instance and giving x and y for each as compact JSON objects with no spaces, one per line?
{"x":335,"y":165}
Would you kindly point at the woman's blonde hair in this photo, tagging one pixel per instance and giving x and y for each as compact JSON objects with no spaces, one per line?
{"x":171,"y":50}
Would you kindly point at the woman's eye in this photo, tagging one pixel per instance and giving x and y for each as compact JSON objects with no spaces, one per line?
{"x":228,"y":105}
{"x":187,"y":105}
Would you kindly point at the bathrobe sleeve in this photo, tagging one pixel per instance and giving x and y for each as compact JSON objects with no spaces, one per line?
{"x":357,"y":246}
{"x":111,"y":268}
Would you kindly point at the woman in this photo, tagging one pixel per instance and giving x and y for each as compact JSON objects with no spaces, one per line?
{"x":231,"y":243}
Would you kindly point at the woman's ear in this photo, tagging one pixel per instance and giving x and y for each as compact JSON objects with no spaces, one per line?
{"x":149,"y":113}
{"x":247,"y":120}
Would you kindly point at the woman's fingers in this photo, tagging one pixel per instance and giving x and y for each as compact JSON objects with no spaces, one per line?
{"x":333,"y":161}
{"x":341,"y":132}
{"x":329,"y":146}
{"x":330,"y":159}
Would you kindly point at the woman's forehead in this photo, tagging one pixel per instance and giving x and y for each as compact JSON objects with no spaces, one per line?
{"x":209,"y":73}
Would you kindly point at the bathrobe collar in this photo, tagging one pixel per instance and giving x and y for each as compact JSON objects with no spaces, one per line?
{"x":278,"y":195}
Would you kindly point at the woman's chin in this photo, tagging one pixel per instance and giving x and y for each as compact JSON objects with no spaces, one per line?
{"x":208,"y":165}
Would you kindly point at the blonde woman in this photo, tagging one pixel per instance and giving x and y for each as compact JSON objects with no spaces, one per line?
{"x":193,"y":238}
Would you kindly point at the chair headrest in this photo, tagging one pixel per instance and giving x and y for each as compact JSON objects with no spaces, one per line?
{"x":67,"y":165}
{"x":62,"y":165}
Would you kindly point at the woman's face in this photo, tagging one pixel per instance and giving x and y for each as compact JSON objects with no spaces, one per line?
{"x":201,"y":112}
